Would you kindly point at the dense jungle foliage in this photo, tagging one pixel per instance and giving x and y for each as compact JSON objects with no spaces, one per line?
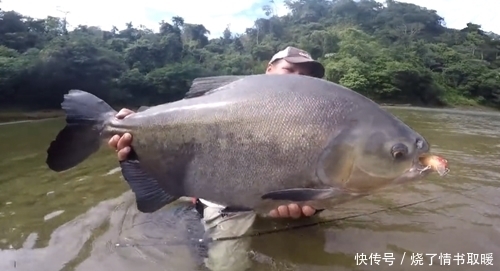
{"x":395,"y":52}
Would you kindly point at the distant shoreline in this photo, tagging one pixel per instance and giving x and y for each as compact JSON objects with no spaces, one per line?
{"x":18,"y":115}
{"x":481,"y":108}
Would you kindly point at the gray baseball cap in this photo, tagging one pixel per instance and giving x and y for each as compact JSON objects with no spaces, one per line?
{"x":297,"y":56}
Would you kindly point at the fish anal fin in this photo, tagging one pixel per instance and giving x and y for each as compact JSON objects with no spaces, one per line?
{"x":235,"y":209}
{"x":150,"y":197}
{"x":132,"y":156}
{"x":302,"y":194}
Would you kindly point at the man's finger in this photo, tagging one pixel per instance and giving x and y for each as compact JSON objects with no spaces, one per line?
{"x":308,"y":211}
{"x":123,"y":113}
{"x":124,"y":141}
{"x":113,"y":141}
{"x":283,"y":211}
{"x":123,"y":153}
{"x":294,"y":210}
{"x":274,"y":213}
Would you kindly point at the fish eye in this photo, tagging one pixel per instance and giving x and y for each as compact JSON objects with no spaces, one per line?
{"x":419,"y":143}
{"x":399,"y":150}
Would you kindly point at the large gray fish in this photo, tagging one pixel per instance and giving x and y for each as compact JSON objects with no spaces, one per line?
{"x":250,"y":143}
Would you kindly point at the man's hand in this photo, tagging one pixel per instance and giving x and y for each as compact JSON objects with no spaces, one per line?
{"x":122,"y":144}
{"x":292,"y":210}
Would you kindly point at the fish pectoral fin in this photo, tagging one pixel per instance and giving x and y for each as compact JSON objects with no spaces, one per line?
{"x":206,"y":85}
{"x":302,"y":194}
{"x":234,"y":209}
{"x":149,"y":196}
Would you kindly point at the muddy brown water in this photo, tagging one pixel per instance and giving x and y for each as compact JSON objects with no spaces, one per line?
{"x":85,"y":218}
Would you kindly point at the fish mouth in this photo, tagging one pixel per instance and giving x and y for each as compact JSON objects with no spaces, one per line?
{"x":420,"y":165}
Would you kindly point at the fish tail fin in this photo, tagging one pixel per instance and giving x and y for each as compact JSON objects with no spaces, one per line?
{"x":86,"y":116}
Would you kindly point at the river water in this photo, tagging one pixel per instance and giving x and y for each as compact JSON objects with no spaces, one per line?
{"x":85,"y":218}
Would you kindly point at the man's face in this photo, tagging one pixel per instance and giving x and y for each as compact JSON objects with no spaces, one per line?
{"x":283,"y":67}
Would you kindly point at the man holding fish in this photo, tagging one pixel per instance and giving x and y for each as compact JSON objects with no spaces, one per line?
{"x":291,"y":60}
{"x":302,"y":140}
{"x":288,"y":61}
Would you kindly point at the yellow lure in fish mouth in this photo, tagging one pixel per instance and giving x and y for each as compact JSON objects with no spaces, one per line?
{"x":435,"y":163}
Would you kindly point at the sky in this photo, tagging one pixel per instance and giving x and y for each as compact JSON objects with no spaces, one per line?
{"x":216,"y":15}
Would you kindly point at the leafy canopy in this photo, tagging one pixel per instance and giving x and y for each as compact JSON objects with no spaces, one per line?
{"x":398,"y":52}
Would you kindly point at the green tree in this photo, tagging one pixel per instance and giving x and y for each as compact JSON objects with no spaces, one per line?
{"x":399,"y":52}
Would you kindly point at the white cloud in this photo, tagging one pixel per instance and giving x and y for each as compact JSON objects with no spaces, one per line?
{"x":217,"y":14}
{"x":214,"y":14}
{"x":457,"y":13}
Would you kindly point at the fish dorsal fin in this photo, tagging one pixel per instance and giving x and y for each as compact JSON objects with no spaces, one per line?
{"x":203,"y":85}
{"x":143,"y":108}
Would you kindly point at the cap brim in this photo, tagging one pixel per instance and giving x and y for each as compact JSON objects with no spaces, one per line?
{"x":318,"y":68}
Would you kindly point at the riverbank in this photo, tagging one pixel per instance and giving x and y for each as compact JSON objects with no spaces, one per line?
{"x":9,"y":116}
{"x":16,"y":115}
{"x":481,"y":108}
